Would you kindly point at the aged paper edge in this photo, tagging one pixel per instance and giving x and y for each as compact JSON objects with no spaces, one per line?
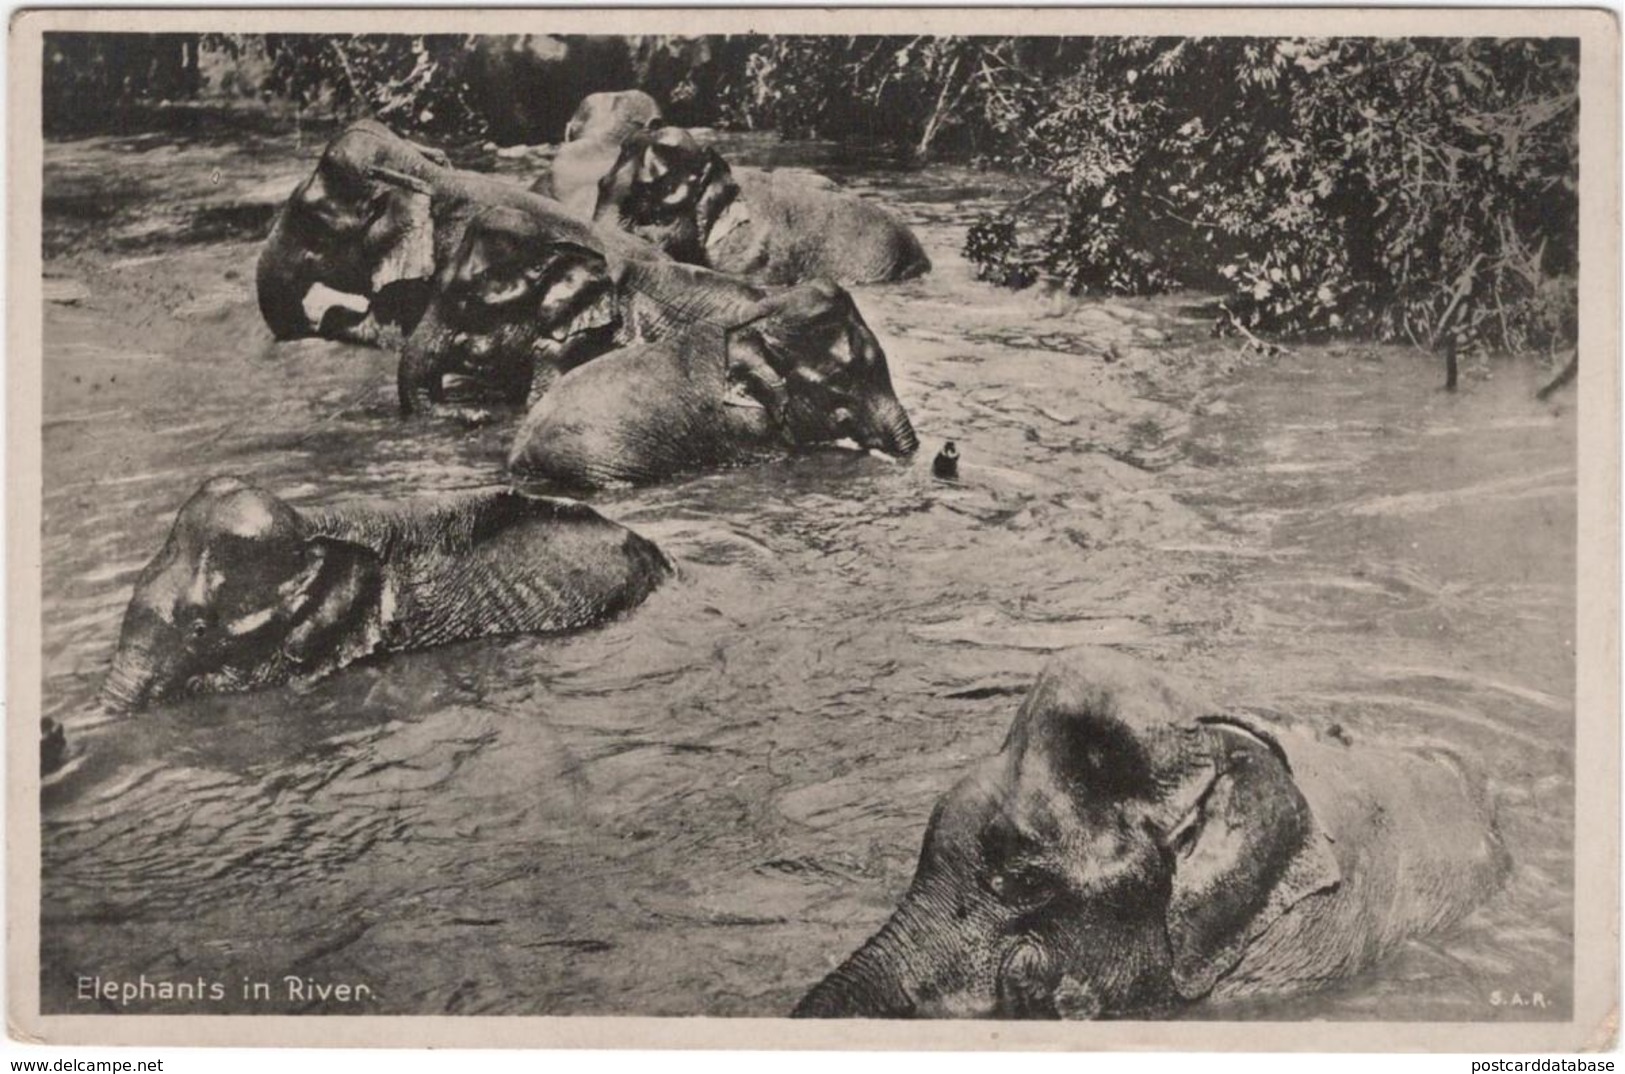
{"x":1597,"y":909}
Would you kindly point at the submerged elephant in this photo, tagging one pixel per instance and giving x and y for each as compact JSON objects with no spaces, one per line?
{"x":248,"y":592}
{"x":800,"y":368}
{"x":356,"y":245}
{"x":592,"y":143}
{"x":1127,"y":853}
{"x":685,"y":199}
{"x":516,"y":307}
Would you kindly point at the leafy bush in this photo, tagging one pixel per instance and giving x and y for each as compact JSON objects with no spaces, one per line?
{"x":89,"y":76}
{"x":1422,"y":189}
{"x":964,"y":93}
{"x":1409,"y":188}
{"x":412,"y":83}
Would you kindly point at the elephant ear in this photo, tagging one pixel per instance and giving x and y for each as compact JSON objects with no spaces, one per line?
{"x":337,"y":607}
{"x":717,"y":203}
{"x":657,"y":170}
{"x":566,"y":287}
{"x":576,"y":288}
{"x":1245,"y":853}
{"x":408,"y":221}
{"x":680,"y":173}
{"x":755,"y":372}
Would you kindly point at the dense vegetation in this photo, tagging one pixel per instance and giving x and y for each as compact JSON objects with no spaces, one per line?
{"x":1420,"y":189}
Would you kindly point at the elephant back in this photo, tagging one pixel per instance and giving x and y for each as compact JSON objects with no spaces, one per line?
{"x":500,"y":562}
{"x":1415,"y":841}
{"x":813,"y":231}
{"x":474,"y":191}
{"x":665,"y":297}
{"x":585,"y":432}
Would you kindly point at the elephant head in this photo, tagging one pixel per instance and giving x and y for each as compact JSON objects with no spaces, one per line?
{"x":667,"y":189}
{"x":797,"y":368}
{"x":515,"y":303}
{"x":241,"y":590}
{"x":809,"y":358}
{"x":768,"y":226}
{"x":1117,"y":856}
{"x":611,"y":116}
{"x":360,"y":225}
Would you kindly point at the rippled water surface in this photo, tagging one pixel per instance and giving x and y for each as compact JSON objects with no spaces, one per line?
{"x":702,"y":808}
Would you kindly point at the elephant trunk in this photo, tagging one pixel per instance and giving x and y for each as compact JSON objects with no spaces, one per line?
{"x":419,"y":373}
{"x":885,"y":427}
{"x":879,"y":979}
{"x":132,"y":682}
{"x":279,"y":288}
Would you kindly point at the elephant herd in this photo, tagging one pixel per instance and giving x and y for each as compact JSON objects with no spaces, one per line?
{"x":656,"y":312}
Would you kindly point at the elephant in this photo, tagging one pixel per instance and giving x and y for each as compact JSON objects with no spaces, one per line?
{"x":352,"y":252}
{"x":800,"y":368}
{"x":577,"y":167}
{"x":518,"y":307}
{"x":685,"y":199}
{"x":248,"y":592}
{"x":592,"y":144}
{"x":612,"y":115}
{"x":1130,"y":852}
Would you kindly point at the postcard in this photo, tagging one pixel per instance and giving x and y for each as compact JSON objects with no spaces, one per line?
{"x":891,"y":528}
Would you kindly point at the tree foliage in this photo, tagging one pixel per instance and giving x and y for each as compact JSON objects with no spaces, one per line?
{"x":1410,"y":188}
{"x":1421,"y":189}
{"x":87,"y":76}
{"x":411,"y":82}
{"x":973,"y":94}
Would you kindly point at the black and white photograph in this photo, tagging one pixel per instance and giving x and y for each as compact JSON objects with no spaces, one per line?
{"x":848,"y":518}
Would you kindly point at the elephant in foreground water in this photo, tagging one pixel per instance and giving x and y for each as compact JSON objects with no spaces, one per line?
{"x":685,"y":199}
{"x":356,"y":246}
{"x":799,"y":368}
{"x":1127,"y":853}
{"x":516,"y":307}
{"x":248,"y":592}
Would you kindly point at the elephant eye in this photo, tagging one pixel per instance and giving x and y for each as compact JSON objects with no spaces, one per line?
{"x":1022,"y":887}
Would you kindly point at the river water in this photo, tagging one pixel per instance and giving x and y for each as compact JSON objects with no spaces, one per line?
{"x":704,"y":807}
